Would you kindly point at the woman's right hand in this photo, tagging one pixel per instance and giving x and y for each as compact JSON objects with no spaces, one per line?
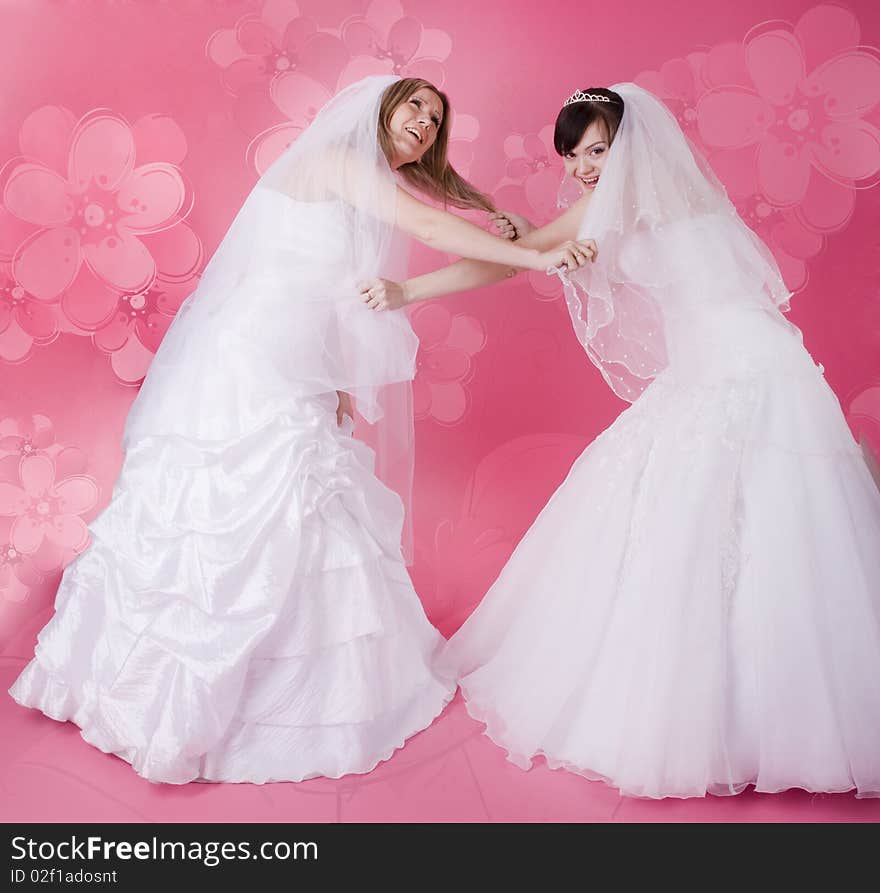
{"x":510,"y":225}
{"x":344,"y":407}
{"x":383,"y":294}
{"x":569,"y":255}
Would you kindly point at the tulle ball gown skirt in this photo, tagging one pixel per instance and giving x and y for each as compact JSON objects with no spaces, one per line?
{"x":697,"y":608}
{"x":243,"y":612}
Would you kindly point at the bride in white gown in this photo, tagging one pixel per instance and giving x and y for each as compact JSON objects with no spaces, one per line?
{"x":697,"y":608}
{"x":244,"y":611}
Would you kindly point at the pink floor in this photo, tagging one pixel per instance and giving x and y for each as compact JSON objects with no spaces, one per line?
{"x":448,"y":773}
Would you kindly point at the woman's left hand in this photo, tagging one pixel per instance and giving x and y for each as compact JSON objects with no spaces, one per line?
{"x":569,"y":255}
{"x":383,"y":294}
{"x":510,"y":225}
{"x":344,"y":408}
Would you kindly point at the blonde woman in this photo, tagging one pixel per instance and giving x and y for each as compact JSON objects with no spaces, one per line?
{"x":244,"y":612}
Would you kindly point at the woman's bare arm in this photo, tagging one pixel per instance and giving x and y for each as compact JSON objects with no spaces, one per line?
{"x":470,"y":274}
{"x":346,"y":175}
{"x":450,"y":233}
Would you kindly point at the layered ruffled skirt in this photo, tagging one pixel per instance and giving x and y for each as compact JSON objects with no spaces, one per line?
{"x":243,"y":612}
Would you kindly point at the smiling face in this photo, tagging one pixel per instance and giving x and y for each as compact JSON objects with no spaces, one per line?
{"x":584,"y":162}
{"x":413,"y":126}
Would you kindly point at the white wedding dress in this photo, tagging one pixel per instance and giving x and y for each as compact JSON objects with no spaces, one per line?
{"x":244,"y":612}
{"x":697,"y":607}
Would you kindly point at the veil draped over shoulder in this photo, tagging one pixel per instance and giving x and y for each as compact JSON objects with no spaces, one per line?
{"x":670,"y":242}
{"x":277,"y":316}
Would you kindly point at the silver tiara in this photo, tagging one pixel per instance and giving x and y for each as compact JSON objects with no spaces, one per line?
{"x":578,"y":96}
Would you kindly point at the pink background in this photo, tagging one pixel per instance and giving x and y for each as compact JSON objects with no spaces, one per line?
{"x":173,"y":107}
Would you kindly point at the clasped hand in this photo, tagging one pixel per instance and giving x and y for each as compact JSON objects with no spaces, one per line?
{"x":514,"y":226}
{"x":383,"y":294}
{"x":386,"y":294}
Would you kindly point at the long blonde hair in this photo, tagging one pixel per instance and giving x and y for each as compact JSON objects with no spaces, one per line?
{"x":432,"y":173}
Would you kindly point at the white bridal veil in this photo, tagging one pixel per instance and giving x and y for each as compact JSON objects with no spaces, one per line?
{"x":668,"y":235}
{"x":277,"y":317}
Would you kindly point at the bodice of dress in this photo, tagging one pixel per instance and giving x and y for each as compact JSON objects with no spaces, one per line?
{"x":277,"y":318}
{"x":300,"y":235}
{"x":717,"y":318}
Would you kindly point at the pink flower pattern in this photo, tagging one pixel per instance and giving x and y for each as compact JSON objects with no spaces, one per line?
{"x":266,"y":45}
{"x":282,"y":62}
{"x":787,"y":231}
{"x":532,"y":176}
{"x":94,"y":213}
{"x":781,"y":117}
{"x":447,"y":346}
{"x":462,"y":134}
{"x":385,"y":40}
{"x":533,"y":165}
{"x":139,"y":322}
{"x":277,"y":60}
{"x":800,"y":122}
{"x":299,"y":98}
{"x":43,"y":495}
{"x":24,"y":319}
{"x":84,"y":225}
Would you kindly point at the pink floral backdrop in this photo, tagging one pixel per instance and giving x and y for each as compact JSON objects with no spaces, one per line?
{"x":131,"y":132}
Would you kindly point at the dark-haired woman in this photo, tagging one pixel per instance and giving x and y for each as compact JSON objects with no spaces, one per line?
{"x":697,"y":608}
{"x":244,"y":611}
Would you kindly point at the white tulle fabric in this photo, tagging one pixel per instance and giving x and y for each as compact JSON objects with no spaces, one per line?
{"x":697,"y":608}
{"x":244,"y":612}
{"x":319,"y":221}
{"x":666,"y":230}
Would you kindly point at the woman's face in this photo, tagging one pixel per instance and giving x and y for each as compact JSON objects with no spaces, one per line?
{"x":413,"y":126}
{"x":585,"y":160}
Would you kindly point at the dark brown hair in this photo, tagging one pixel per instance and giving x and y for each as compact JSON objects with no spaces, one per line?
{"x":574,"y":119}
{"x":432,"y":173}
